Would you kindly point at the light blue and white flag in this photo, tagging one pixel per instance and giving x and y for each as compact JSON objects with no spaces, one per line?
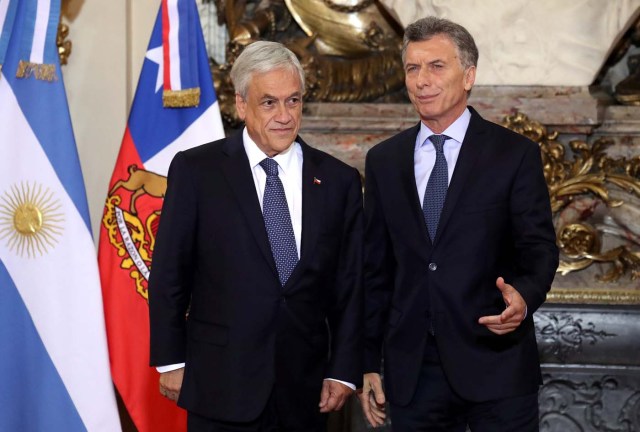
{"x":53,"y":353}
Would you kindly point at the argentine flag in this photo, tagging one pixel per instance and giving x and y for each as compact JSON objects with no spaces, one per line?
{"x":53,"y":353}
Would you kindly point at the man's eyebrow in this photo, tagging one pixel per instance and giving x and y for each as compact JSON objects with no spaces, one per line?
{"x":437,"y":60}
{"x":269,"y":96}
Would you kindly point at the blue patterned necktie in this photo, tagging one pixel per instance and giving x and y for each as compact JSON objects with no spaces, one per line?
{"x":278,"y":222}
{"x":436,"y":190}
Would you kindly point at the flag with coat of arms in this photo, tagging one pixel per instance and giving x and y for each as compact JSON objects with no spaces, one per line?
{"x":174,"y":108}
{"x":53,"y":350}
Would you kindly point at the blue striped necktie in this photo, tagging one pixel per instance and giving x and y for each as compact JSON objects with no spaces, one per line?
{"x":436,"y":190}
{"x":277,"y":221}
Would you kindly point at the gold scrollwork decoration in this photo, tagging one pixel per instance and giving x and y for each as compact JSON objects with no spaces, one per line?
{"x":590,"y":184}
{"x":64,"y":45}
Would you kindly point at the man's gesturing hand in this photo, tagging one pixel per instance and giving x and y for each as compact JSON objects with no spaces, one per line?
{"x":512,"y":316}
{"x":171,"y":383}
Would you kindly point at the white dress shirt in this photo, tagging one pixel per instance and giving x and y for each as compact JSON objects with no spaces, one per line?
{"x":424,"y":156}
{"x":290,"y":173}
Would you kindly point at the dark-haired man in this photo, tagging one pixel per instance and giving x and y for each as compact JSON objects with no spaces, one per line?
{"x":459,"y":253}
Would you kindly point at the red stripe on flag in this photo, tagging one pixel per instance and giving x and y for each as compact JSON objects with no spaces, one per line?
{"x":127,"y":156}
{"x":166,"y":53}
{"x":126,"y":309}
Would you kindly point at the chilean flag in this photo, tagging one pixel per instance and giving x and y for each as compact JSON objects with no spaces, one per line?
{"x":174,"y":108}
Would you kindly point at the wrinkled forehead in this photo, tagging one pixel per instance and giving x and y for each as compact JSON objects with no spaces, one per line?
{"x":280,"y":76}
{"x":280,"y":83}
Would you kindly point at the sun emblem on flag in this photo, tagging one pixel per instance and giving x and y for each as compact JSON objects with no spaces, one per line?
{"x":31,"y":220}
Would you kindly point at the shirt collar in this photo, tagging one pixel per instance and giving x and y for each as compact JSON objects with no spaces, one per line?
{"x":455,"y":131}
{"x":255,"y":155}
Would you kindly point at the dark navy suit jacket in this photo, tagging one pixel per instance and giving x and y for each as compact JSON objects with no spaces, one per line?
{"x":245,"y":333}
{"x":496,"y":221}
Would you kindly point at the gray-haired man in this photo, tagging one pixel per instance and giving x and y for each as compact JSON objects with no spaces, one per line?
{"x":261,"y":236}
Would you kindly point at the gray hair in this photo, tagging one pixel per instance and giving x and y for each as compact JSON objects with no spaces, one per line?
{"x":262,"y":57}
{"x":426,"y":28}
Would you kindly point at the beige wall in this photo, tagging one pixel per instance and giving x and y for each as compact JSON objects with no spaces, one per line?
{"x":109,"y":41}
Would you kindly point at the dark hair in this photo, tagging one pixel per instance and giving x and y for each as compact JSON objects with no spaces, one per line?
{"x":426,"y":28}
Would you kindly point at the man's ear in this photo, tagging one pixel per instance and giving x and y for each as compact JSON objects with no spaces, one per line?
{"x":469,"y":78}
{"x":241,"y":106}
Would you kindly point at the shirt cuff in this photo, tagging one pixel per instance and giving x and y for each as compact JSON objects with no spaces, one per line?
{"x":169,"y":368}
{"x":348,"y":384}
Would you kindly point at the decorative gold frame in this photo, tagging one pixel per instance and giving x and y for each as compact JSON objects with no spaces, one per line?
{"x":610,"y":184}
{"x":593,"y":296}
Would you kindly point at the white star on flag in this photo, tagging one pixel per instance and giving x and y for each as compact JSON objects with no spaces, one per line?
{"x":155,"y":55}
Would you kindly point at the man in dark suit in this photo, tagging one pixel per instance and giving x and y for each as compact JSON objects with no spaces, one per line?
{"x":255,"y":295}
{"x":459,"y":253}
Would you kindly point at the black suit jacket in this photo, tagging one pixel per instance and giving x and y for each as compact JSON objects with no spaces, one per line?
{"x":246,"y":333}
{"x":496,"y":221}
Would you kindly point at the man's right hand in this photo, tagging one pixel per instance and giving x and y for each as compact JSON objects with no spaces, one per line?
{"x":171,"y":383}
{"x":372,"y":399}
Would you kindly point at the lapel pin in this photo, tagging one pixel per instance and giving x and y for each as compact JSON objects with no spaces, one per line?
{"x":317,"y":181}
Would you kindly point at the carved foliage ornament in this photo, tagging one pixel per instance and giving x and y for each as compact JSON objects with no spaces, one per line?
{"x":589,"y":187}
{"x":605,"y":404}
{"x":560,"y":335}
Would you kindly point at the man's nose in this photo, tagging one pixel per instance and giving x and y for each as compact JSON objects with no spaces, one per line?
{"x":424,"y":77}
{"x":283,"y":115}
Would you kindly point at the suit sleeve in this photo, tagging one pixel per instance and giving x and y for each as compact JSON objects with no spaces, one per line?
{"x":345,"y":314}
{"x":533,"y":232}
{"x":170,"y":279}
{"x":378,"y":271}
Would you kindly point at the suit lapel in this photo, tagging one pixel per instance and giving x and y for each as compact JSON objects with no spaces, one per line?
{"x":240,"y":179}
{"x":471,"y":149}
{"x":406,"y":150}
{"x":313,"y":199}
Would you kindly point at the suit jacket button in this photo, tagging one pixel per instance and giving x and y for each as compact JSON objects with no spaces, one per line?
{"x":433,"y":266}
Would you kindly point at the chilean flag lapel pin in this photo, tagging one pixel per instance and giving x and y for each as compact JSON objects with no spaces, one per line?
{"x":317,"y":181}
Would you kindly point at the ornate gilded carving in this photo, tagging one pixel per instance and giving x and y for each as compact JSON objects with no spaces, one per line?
{"x":344,"y":32}
{"x":560,"y":335}
{"x":64,"y":45}
{"x":591,"y":186}
{"x":350,"y":51}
